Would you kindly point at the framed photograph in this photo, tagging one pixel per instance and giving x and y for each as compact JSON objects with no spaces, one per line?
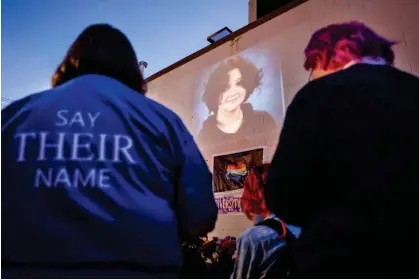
{"x":230,"y":171}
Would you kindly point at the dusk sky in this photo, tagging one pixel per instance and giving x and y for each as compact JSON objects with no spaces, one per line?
{"x":37,"y":33}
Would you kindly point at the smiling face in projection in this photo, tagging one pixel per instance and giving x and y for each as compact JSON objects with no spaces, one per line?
{"x":235,"y":93}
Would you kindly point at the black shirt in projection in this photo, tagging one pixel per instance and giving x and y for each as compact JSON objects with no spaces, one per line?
{"x":347,"y":172}
{"x":254,"y":123}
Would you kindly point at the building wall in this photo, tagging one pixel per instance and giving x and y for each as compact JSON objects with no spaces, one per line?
{"x":277,"y":48}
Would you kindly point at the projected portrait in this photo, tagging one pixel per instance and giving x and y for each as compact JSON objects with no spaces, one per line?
{"x":226,"y":95}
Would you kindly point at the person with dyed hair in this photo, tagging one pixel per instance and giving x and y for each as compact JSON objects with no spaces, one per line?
{"x":345,"y":169}
{"x":259,"y":247}
{"x":339,"y":46}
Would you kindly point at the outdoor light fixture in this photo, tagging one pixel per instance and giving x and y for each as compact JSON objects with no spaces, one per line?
{"x":219,"y":35}
{"x":142,"y":65}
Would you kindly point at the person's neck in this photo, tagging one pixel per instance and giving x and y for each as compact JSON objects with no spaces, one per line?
{"x":230,"y":121}
{"x":266,"y":215}
{"x":367,"y":60}
{"x":258,"y":218}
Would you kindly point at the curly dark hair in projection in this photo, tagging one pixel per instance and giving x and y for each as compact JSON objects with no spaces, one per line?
{"x":335,"y":45}
{"x":101,"y":49}
{"x":251,"y":78}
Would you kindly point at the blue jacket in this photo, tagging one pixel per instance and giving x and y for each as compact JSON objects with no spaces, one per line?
{"x":96,"y":173}
{"x":257,"y":250}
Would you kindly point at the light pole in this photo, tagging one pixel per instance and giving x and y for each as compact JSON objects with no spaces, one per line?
{"x":142,"y":65}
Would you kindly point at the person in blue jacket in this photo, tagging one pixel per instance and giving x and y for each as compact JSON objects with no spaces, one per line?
{"x":99,"y":181}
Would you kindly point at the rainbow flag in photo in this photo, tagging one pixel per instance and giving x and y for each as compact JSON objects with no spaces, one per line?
{"x":236,"y":172}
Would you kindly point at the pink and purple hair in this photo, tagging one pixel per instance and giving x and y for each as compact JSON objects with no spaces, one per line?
{"x":334,"y":46}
